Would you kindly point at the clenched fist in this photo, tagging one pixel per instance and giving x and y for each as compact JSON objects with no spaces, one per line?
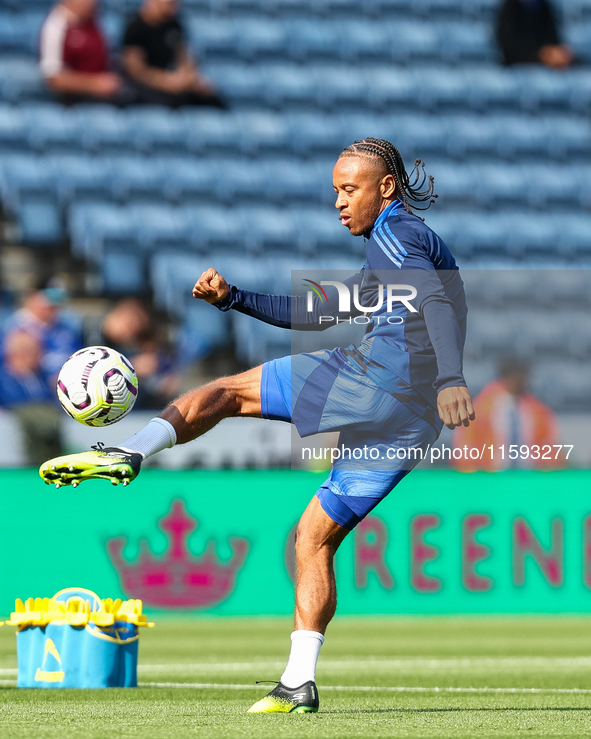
{"x":211,"y":287}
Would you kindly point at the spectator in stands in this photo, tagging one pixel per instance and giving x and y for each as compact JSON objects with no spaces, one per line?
{"x":158,"y":62}
{"x":527,"y":34}
{"x":129,"y":329}
{"x":508,"y":415}
{"x":74,"y":55}
{"x":41,"y":317}
{"x":25,"y":391}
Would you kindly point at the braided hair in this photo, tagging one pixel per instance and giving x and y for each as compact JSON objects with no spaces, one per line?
{"x":422,"y":187}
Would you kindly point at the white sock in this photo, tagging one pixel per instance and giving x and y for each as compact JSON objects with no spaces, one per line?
{"x":305,"y":648}
{"x":156,"y":436}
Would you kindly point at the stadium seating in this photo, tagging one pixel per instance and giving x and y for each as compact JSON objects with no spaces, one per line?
{"x":148,"y":196}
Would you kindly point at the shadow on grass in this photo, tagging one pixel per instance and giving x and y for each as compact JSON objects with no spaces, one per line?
{"x":453,"y":710}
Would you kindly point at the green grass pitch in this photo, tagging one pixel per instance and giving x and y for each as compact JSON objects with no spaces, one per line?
{"x":422,"y":677}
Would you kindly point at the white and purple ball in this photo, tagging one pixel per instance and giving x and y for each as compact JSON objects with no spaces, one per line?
{"x":97,"y":386}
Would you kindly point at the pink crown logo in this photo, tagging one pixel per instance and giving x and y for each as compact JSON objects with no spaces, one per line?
{"x":178,"y":579}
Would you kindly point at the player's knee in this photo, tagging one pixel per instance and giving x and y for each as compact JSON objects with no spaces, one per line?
{"x":310,"y":543}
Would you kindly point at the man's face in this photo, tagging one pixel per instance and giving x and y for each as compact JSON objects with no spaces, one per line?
{"x":84,"y":9}
{"x":363,"y":190}
{"x":165,"y":9}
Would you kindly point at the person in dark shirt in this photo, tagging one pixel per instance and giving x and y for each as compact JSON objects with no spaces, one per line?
{"x":527,"y":34}
{"x":157,"y":61}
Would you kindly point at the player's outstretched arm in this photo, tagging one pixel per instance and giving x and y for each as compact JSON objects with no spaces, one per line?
{"x":284,"y":311}
{"x":454,"y":405}
{"x":211,"y":287}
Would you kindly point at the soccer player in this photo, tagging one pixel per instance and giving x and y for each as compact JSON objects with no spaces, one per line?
{"x":394,"y":391}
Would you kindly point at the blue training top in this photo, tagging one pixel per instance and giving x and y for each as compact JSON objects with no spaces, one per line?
{"x":410,"y":353}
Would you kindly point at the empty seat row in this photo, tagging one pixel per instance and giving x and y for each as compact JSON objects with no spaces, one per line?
{"x":65,"y":179}
{"x":49,"y":128}
{"x":552,"y":238}
{"x":97,"y":228}
{"x":382,"y":87}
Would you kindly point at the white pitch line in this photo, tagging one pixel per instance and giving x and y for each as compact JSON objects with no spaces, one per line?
{"x":410,"y":663}
{"x":374,"y":689}
{"x":8,"y":671}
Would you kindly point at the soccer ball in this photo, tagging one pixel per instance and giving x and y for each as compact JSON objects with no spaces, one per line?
{"x":97,"y":386}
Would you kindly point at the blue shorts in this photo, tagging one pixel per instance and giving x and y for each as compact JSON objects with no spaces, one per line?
{"x":329,"y":391}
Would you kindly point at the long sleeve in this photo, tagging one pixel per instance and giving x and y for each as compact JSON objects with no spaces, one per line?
{"x":287,"y":311}
{"x":447,"y":338}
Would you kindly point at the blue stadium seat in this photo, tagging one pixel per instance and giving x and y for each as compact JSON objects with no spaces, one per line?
{"x":335,"y":89}
{"x":363,"y":41}
{"x":381,"y":9}
{"x":103,"y":128}
{"x":51,"y":128}
{"x":277,"y":267}
{"x":574,"y":238}
{"x":212,"y":38}
{"x":415,"y":42}
{"x":19,"y":32}
{"x":470,"y":135}
{"x":310,"y":40}
{"x":289,"y":8}
{"x":531,"y":235}
{"x":289,"y":181}
{"x":456,"y":186}
{"x":418,"y":135}
{"x":190,"y":180}
{"x":113,"y":26}
{"x":80,"y":178}
{"x":492,"y":88}
{"x":157,"y":130}
{"x":438,"y":9}
{"x":215,"y":132}
{"x":335,"y":9}
{"x":260,"y":39}
{"x":137,"y":179}
{"x":320,"y":232}
{"x":567,"y":135}
{"x":21,"y":80}
{"x":440,"y":89}
{"x":216,"y":229}
{"x":388,"y":87}
{"x":501,"y":185}
{"x":463,"y":42}
{"x":258,"y":342}
{"x":123,"y":272}
{"x":29,"y":192}
{"x":239,"y":181}
{"x":161,"y":227}
{"x":480,"y":234}
{"x":241,"y":84}
{"x":203,"y":329}
{"x":267,"y":229}
{"x":262,"y":133}
{"x":172,"y":276}
{"x":13,"y":134}
{"x":542,"y":88}
{"x":287,"y":86}
{"x":550,"y":186}
{"x":313,"y":134}
{"x":578,"y":36}
{"x":96,"y":227}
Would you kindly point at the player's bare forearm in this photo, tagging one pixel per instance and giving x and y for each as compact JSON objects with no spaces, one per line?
{"x":211,"y":287}
{"x":454,"y":405}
